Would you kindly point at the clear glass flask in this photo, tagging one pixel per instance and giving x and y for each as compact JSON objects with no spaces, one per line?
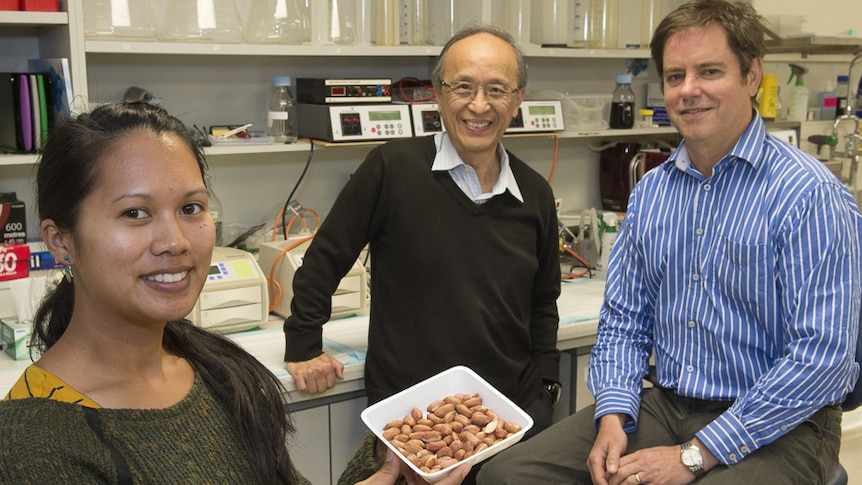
{"x":118,"y":19}
{"x":214,"y":21}
{"x":276,"y":22}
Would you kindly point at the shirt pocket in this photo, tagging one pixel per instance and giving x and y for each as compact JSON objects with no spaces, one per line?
{"x":742,"y":274}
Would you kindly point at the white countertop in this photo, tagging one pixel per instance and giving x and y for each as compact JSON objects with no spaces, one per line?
{"x":345,"y":339}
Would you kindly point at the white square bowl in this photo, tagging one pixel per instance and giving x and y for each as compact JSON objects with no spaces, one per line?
{"x":458,"y":379}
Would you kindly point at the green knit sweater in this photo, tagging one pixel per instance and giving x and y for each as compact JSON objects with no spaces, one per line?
{"x":44,"y":441}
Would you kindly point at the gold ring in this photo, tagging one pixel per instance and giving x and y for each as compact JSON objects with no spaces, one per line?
{"x":638,"y":478}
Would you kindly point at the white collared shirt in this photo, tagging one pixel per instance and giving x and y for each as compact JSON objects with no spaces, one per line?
{"x":464,"y":175}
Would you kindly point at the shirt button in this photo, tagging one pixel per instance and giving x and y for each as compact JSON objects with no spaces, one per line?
{"x":743,"y":449}
{"x":707,"y":187}
{"x":696,"y":277}
{"x":732,"y":456}
{"x":689,"y":368}
{"x":698,"y":231}
{"x":691,"y":324}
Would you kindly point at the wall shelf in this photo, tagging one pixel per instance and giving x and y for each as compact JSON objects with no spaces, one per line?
{"x":813,"y":44}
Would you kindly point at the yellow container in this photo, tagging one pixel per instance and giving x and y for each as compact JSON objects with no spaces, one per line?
{"x":767,"y":95}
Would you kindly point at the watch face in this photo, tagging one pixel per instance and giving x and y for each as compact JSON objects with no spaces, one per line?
{"x":691,"y":457}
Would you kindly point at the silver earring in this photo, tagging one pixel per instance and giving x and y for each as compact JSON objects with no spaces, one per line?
{"x":67,"y":269}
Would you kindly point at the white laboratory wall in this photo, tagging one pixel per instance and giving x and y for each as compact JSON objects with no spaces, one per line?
{"x":832,"y":17}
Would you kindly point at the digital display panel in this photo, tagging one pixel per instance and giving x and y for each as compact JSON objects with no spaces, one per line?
{"x":541,"y":110}
{"x":384,"y":115}
{"x":214,"y":269}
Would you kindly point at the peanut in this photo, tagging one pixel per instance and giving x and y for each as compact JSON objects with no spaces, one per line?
{"x":453,"y":429}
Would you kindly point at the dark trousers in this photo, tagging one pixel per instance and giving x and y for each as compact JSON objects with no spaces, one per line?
{"x":805,"y":455}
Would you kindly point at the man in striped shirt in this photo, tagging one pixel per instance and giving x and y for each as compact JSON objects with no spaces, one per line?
{"x":737,"y":269}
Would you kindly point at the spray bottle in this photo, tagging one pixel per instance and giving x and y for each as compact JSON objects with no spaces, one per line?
{"x":609,"y":224}
{"x":798,"y":94}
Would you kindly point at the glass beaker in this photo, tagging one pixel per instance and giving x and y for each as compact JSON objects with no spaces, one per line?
{"x":118,"y":19}
{"x":201,"y":21}
{"x":276,"y":22}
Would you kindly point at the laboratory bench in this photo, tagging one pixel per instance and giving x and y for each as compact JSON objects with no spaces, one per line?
{"x":328,"y":427}
{"x":345,"y":339}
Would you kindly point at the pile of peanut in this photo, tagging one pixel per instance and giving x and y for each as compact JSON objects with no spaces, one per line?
{"x":454,"y":428}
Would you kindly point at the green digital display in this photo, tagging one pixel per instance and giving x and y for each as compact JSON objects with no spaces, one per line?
{"x":541,"y":110}
{"x":384,"y":115}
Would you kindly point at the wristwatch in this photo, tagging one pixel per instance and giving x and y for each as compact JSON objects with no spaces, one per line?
{"x":555,"y":389}
{"x":692,"y":458}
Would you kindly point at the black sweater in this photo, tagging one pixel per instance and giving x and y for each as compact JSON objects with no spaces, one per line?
{"x":452,"y":282}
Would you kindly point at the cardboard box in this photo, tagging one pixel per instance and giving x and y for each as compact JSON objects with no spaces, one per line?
{"x":13,"y":219}
{"x":16,"y":339}
{"x":40,"y":5}
{"x":14,"y":261}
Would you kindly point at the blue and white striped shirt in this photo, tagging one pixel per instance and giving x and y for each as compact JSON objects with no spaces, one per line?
{"x":746,"y":285}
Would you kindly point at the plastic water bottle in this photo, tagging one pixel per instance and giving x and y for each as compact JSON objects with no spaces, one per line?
{"x":281,"y":111}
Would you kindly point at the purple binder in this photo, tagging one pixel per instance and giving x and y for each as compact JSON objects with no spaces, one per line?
{"x":26,"y":120}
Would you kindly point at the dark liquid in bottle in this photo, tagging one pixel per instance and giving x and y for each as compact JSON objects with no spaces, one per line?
{"x":622,"y":115}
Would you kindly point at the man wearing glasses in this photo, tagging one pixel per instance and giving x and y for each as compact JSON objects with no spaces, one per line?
{"x":464,"y":249}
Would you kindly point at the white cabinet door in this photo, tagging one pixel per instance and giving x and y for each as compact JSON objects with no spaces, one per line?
{"x":309,"y":448}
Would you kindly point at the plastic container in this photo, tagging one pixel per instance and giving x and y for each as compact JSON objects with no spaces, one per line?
{"x":645,"y":118}
{"x":842,"y":93}
{"x":555,"y":23}
{"x":418,"y":22}
{"x":516,"y":20}
{"x":580,"y":28}
{"x":118,"y":19}
{"x":586,"y":112}
{"x":767,"y":97}
{"x":827,"y":101}
{"x":215,"y":21}
{"x":623,"y":103}
{"x":276,"y":22}
{"x":604,"y":24}
{"x":281,"y":112}
{"x":387,"y":22}
{"x":458,"y":379}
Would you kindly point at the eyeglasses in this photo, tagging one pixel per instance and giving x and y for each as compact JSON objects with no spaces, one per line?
{"x":468,"y":90}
